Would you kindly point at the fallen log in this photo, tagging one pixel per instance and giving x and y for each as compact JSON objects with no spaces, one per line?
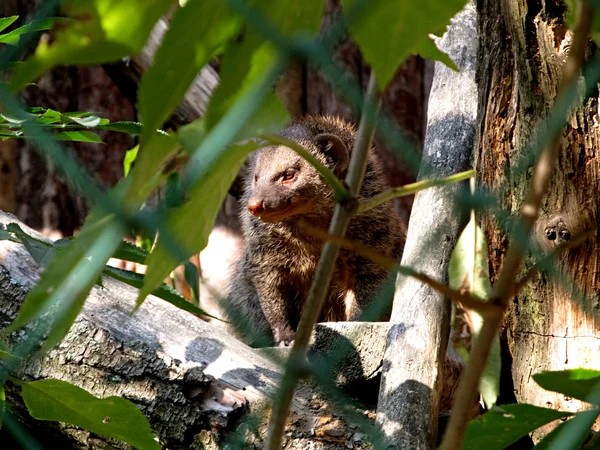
{"x":196,"y":384}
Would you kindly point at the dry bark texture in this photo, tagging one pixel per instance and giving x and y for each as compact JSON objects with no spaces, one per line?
{"x":548,"y":327}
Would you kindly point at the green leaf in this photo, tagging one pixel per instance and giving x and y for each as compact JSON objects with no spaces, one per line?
{"x":245,"y":65}
{"x":163,"y":292}
{"x":192,"y":278}
{"x":427,"y":49}
{"x":133,"y":128}
{"x":468,"y":270}
{"x":196,"y":32}
{"x":39,"y":250}
{"x":65,"y":284}
{"x":147,"y":171}
{"x":501,"y":426}
{"x":77,"y":136}
{"x":12,"y":37}
{"x":387,"y":31}
{"x":245,"y":60}
{"x":570,"y":434}
{"x":113,"y":417}
{"x":575,"y":383}
{"x":129,"y":159}
{"x":49,"y":116}
{"x":103,"y":31}
{"x":130,"y":252}
{"x":87,"y":121}
{"x":218,"y":172}
{"x":5,"y":22}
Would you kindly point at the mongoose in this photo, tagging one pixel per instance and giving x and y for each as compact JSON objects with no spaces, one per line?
{"x":272,"y":279}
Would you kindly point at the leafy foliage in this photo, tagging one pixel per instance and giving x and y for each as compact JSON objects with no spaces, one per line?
{"x":76,"y":124}
{"x":102,"y":31}
{"x":242,"y":107}
{"x":468,"y":270}
{"x":388,"y":31}
{"x":576,"y":383}
{"x":13,"y":37}
{"x":502,"y":426}
{"x":112,"y":416}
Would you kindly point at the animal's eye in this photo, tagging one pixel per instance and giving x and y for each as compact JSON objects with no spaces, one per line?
{"x":288,"y":175}
{"x":255,"y":178}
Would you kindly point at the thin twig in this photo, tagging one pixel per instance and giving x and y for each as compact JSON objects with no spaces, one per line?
{"x":503,"y":288}
{"x":339,"y":190}
{"x":409,"y":189}
{"x":392,"y":265}
{"x":324,"y":272}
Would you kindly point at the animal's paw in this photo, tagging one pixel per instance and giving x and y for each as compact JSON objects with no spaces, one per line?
{"x":284,"y":338}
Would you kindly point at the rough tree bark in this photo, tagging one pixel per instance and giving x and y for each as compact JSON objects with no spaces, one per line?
{"x":413,"y":366}
{"x":547,"y":328}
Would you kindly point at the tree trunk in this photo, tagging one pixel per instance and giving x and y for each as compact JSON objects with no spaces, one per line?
{"x":548,"y":326}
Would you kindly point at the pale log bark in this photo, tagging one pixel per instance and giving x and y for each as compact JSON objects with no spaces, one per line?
{"x":413,"y":366}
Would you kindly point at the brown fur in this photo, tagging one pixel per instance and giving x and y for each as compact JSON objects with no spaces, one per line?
{"x":271,"y":281}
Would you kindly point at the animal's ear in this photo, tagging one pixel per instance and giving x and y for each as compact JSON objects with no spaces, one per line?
{"x":332,"y":145}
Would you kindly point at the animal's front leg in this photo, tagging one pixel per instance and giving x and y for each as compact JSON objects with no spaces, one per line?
{"x":275,"y":303}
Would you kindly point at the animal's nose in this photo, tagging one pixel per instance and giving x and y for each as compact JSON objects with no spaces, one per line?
{"x":256,"y":207}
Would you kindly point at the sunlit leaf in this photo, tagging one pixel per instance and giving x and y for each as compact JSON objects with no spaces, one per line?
{"x":427,"y":49}
{"x":88,"y":121}
{"x":198,"y":214}
{"x":130,"y":252}
{"x":387,"y":31}
{"x":66,"y":282}
{"x":468,"y":270}
{"x":113,"y":417}
{"x":129,"y":159}
{"x":501,"y":426}
{"x":102,"y":31}
{"x":5,"y":22}
{"x":196,"y":32}
{"x":576,"y":383}
{"x":570,"y":435}
{"x":12,"y":37}
{"x":146,"y":173}
{"x":244,"y":65}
